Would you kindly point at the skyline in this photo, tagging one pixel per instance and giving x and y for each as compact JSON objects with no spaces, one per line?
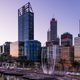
{"x":68,"y":21}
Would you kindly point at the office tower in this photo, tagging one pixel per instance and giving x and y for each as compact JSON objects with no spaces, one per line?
{"x":53,"y":29}
{"x":25,"y":27}
{"x":25,"y":23}
{"x":77,"y":46}
{"x":67,"y":50}
{"x":53,"y":40}
{"x":29,"y":49}
{"x":66,"y":39}
{"x":52,"y":33}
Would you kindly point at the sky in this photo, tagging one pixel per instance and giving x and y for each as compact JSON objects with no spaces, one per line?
{"x":66,"y":12}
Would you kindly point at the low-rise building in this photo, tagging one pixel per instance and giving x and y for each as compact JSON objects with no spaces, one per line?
{"x":14,"y":49}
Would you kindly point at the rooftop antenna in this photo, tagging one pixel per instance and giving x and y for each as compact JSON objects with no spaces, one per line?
{"x":79,"y":29}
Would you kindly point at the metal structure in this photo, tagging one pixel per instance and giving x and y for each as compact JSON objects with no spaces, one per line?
{"x":26,"y":8}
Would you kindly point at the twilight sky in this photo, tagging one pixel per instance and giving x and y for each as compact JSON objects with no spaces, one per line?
{"x":67,"y":13}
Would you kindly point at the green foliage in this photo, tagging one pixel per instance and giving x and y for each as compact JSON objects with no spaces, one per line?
{"x":3,"y":58}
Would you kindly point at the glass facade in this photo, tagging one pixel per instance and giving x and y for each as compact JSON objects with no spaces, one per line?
{"x":33,"y":50}
{"x":25,"y":27}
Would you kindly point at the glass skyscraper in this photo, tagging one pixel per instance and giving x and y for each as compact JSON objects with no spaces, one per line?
{"x":25,"y":27}
{"x":25,"y":23}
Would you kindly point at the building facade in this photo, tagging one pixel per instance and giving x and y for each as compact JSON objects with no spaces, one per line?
{"x":33,"y":50}
{"x":48,"y":36}
{"x":67,"y":50}
{"x":67,"y":54}
{"x":6,"y":48}
{"x":25,"y":23}
{"x":25,"y":27}
{"x":14,"y":49}
{"x":66,"y":39}
{"x":55,"y":50}
{"x":53,"y":40}
{"x":77,"y":48}
{"x":53,"y":29}
{"x":67,"y":57}
{"x":52,"y":33}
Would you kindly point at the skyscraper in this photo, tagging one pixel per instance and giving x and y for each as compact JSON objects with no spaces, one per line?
{"x":53,"y":29}
{"x":53,"y":40}
{"x":25,"y":23}
{"x":25,"y":27}
{"x":67,"y":50}
{"x":29,"y":49}
{"x":52,"y":33}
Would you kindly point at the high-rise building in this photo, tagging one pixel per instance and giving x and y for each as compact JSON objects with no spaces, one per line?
{"x":25,"y":27}
{"x":77,"y":46}
{"x":25,"y":23}
{"x":53,"y":40}
{"x":29,"y":49}
{"x":67,"y":50}
{"x":53,"y":29}
{"x":52,"y":33}
{"x":66,"y":39}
